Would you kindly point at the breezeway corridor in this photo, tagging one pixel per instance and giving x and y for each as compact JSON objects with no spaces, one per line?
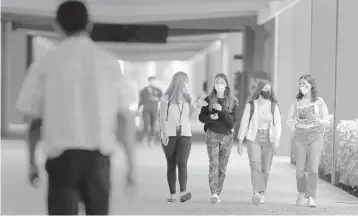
{"x":19,"y":198}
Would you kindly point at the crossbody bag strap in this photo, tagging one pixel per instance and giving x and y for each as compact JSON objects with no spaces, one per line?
{"x":273,"y":107}
{"x":168,"y":110}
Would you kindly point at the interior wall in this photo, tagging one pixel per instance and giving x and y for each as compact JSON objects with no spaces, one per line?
{"x":234,"y":45}
{"x":213,"y":66}
{"x":248,"y":49}
{"x":259,"y":48}
{"x":205,"y":67}
{"x":284,"y":74}
{"x":323,"y":53}
{"x":199,"y":76}
{"x":302,"y":18}
{"x":347,"y":46}
{"x":16,"y":69}
{"x":269,"y":48}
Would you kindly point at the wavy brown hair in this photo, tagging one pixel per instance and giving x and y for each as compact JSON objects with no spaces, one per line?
{"x":229,"y":99}
{"x":314,"y":93}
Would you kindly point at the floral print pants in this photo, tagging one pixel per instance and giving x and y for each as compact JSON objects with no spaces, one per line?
{"x":219,"y":149}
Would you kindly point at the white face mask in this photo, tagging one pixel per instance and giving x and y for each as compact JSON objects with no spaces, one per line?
{"x":220,"y":87}
{"x":304,"y":90}
{"x":186,"y":85}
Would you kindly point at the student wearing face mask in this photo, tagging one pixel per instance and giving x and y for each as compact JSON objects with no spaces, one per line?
{"x":219,"y":119}
{"x":176,"y":110}
{"x":307,"y":118}
{"x":260,"y":128}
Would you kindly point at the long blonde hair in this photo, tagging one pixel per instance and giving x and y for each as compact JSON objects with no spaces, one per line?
{"x":176,"y":89}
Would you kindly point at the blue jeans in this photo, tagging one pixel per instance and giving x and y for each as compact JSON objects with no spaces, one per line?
{"x":260,"y":155}
{"x":308,"y":143}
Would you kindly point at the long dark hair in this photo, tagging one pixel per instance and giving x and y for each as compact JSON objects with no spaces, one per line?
{"x":229,"y":99}
{"x":314,"y":92}
{"x":259,"y":88}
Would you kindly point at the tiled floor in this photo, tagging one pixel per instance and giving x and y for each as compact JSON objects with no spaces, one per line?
{"x":17,"y":197}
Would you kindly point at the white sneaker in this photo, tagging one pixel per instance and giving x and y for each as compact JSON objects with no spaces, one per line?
{"x":171,"y":198}
{"x":311,"y":202}
{"x":215,"y":199}
{"x":262,"y":198}
{"x":300,"y":199}
{"x":256,"y":198}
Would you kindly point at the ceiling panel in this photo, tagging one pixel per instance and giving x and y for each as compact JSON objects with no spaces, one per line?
{"x":135,"y":11}
{"x":162,"y":56}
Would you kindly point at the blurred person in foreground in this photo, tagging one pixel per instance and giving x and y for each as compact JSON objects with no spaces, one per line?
{"x":175,"y":114}
{"x":149,"y":97}
{"x":79,"y":95}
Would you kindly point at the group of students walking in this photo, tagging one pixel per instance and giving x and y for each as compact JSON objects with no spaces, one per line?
{"x":79,"y":100}
{"x":260,"y":129}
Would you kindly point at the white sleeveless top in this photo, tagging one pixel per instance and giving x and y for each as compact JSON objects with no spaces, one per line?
{"x":264,"y":116}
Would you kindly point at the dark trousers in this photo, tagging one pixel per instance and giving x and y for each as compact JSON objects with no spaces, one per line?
{"x":177,"y":154}
{"x":78,"y":175}
{"x":149,"y":119}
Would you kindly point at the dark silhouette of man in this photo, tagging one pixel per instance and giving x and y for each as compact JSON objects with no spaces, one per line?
{"x":149,"y":98}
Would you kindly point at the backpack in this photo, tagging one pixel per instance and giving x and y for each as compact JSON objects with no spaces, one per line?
{"x":252,"y":109}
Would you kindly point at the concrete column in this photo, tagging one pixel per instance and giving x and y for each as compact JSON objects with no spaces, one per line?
{"x":259,"y":49}
{"x":234,"y":45}
{"x":285,"y":93}
{"x":256,"y":48}
{"x":270,"y":49}
{"x":5,"y":68}
{"x":293,"y":59}
{"x":249,"y":47}
{"x":198,"y":75}
{"x":17,"y":71}
{"x":323,"y":50}
{"x":213,"y":65}
{"x":302,"y":18}
{"x":14,"y":65}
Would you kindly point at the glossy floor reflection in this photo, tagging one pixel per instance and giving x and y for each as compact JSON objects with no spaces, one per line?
{"x":17,"y":197}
